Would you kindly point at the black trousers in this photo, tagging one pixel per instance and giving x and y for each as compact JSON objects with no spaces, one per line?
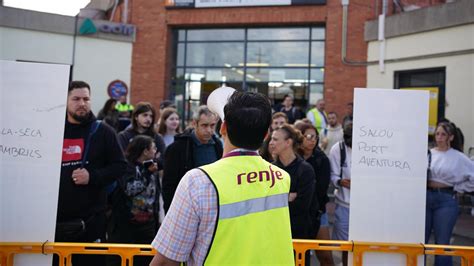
{"x":95,"y":231}
{"x":120,"y":231}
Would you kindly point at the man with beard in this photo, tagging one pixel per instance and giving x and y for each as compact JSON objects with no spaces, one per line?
{"x":91,"y":160}
{"x":143,"y":123}
{"x":332,"y":134}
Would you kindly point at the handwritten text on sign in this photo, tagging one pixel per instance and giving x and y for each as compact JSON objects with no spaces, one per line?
{"x":375,"y":146}
{"x":20,"y":151}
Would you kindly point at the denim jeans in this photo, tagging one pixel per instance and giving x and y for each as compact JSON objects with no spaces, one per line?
{"x":341,"y":223}
{"x":441,"y":214}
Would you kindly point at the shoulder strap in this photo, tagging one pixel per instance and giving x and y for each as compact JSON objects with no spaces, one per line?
{"x":342,"y":148}
{"x":429,"y":159}
{"x":94,"y":126}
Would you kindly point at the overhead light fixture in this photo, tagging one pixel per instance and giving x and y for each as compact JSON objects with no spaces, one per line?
{"x":227,"y":65}
{"x":300,"y":65}
{"x":299,"y":81}
{"x":255,"y":64}
{"x":275,"y":84}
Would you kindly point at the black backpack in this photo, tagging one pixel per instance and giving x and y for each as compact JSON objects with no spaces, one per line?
{"x":342,"y":149}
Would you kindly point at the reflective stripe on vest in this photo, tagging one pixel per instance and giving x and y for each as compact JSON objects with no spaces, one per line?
{"x":253,"y":225}
{"x":253,"y":205}
{"x":318,"y":119}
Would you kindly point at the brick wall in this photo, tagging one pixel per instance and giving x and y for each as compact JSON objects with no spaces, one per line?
{"x":152,"y":51}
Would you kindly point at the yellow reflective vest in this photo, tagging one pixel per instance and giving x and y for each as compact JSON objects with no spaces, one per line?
{"x":253,"y":223}
{"x":318,"y":119}
{"x":124,"y":107}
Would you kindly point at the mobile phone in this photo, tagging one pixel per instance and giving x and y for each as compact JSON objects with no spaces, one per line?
{"x":148,"y":163}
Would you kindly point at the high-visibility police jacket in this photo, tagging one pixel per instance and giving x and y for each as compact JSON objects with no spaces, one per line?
{"x":319,"y":119}
{"x":124,"y":107}
{"x":253,"y":222}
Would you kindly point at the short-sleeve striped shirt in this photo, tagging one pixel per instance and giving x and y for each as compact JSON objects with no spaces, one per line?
{"x":186,"y":232}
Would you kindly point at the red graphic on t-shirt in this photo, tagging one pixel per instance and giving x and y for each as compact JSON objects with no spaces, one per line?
{"x":72,"y":149}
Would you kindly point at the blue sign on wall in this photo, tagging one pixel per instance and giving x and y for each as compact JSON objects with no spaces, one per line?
{"x":117,"y":88}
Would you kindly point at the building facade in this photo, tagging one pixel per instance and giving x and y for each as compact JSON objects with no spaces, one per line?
{"x":184,"y":51}
{"x":430,"y":48}
{"x":99,"y":55}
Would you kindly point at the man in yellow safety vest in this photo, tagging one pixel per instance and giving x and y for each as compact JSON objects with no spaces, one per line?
{"x":233,"y":211}
{"x":124,"y":109}
{"x":318,"y":116}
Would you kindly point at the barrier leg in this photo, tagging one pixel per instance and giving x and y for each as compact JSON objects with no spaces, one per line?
{"x":69,"y":260}
{"x":467,"y":261}
{"x":10,"y":259}
{"x":412,"y":260}
{"x":299,"y":258}
{"x":3,"y":259}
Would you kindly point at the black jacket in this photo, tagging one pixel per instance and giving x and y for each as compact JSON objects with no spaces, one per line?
{"x":322,"y":168}
{"x":111,"y":119}
{"x":105,"y":163}
{"x":178,"y":160}
{"x":304,"y":209}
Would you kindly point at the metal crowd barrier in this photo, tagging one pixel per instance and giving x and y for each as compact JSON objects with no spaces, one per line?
{"x":8,"y":250}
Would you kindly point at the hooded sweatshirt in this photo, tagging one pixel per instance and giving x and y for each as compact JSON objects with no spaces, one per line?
{"x":104,"y":162}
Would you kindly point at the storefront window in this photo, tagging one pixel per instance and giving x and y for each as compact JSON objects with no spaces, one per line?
{"x":317,"y":54}
{"x":287,"y":75}
{"x":278,"y":34}
{"x":270,"y":54}
{"x":214,"y":54}
{"x":318,"y":33}
{"x":216,"y":35}
{"x":273,"y":61}
{"x":215,"y":74}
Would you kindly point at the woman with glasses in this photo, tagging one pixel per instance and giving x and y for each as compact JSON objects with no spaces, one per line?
{"x":450,"y":171}
{"x":310,"y":151}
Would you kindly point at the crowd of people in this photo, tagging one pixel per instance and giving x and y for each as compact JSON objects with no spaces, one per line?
{"x":123,"y":171}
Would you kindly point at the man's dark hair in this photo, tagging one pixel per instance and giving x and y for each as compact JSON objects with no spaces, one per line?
{"x":348,"y":134}
{"x":248,"y":116}
{"x":143,"y":107}
{"x":167,"y":103}
{"x":136,"y":147}
{"x":332,"y":113}
{"x":77,"y":84}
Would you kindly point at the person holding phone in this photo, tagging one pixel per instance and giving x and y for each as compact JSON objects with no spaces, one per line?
{"x":135,"y":211}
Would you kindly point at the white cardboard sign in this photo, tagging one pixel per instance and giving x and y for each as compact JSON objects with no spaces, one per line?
{"x":33,"y":103}
{"x":389,"y":163}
